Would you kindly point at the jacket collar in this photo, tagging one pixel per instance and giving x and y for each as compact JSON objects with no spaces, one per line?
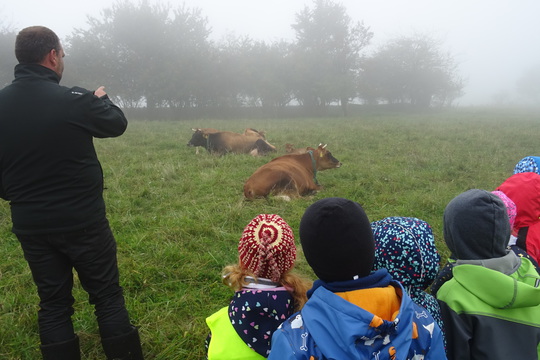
{"x":25,"y":71}
{"x":507,"y":264}
{"x":379,"y":278}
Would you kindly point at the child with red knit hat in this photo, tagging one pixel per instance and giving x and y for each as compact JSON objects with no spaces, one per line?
{"x":266,"y":291}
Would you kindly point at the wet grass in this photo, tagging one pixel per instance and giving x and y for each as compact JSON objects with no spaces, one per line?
{"x":177,"y":215}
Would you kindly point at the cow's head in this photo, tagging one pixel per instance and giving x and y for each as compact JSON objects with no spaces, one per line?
{"x":324,"y":158}
{"x":264,"y":147}
{"x":200,"y":136}
{"x":197,"y":139}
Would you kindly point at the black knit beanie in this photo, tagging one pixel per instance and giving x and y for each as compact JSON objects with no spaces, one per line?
{"x":337,"y":239}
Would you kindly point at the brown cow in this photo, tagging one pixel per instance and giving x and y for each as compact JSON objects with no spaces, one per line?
{"x":223,"y":142}
{"x":198,"y":138}
{"x":291,"y":174}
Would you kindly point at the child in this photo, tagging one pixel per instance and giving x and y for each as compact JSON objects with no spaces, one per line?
{"x":445,"y":273}
{"x":351,"y":312}
{"x":524,"y":190}
{"x":511,"y":210}
{"x":266,"y":292}
{"x":405,"y":246}
{"x":528,"y":164}
{"x":491,"y":305}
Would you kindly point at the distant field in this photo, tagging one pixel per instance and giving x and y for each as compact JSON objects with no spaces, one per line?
{"x":177,"y":215}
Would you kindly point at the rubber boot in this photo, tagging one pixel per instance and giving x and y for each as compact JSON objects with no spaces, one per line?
{"x":66,"y":350}
{"x":123,"y":347}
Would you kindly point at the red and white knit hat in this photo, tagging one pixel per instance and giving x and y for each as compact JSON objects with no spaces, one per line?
{"x":267,"y":247}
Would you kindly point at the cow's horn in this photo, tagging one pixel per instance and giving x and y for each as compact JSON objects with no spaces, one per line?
{"x":324,"y":146}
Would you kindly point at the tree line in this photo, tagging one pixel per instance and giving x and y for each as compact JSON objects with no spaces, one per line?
{"x":159,"y":57}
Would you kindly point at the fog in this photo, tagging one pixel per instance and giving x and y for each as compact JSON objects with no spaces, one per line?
{"x":494,"y":42}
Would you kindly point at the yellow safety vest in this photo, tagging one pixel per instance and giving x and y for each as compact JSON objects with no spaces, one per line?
{"x":225,"y":343}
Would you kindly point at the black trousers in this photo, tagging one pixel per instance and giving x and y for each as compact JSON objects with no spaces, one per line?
{"x":92,"y":253}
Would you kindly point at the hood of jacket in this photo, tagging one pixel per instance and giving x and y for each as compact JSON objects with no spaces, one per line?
{"x":524,"y":190}
{"x":528,"y":164}
{"x":405,"y":246}
{"x":476,"y":225}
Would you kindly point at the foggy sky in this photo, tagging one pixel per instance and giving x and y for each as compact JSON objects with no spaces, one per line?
{"x":494,"y":41}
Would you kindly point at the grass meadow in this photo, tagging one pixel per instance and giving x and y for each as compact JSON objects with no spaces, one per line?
{"x":177,"y":215}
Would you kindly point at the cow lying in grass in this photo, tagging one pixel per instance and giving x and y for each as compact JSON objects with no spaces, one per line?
{"x":198,"y":137}
{"x":221,"y":142}
{"x":290,"y":175}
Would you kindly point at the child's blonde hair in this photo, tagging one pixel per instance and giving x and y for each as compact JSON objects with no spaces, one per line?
{"x":234,"y":276}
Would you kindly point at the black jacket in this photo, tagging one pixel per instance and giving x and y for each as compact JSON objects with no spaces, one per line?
{"x":49,"y":170}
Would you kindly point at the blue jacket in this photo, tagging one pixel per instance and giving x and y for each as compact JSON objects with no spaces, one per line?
{"x":330,"y":327}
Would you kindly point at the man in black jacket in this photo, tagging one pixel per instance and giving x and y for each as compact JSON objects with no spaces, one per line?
{"x":50,"y":174}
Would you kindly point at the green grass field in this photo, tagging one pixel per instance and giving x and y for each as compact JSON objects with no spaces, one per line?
{"x":177,"y":216}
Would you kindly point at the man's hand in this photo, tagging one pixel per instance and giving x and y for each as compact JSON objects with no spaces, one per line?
{"x":100,"y":92}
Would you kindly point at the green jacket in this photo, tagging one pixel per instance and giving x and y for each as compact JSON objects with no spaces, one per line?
{"x":490,"y":315}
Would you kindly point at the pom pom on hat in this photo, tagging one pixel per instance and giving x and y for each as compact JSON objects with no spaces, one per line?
{"x":267,"y":247}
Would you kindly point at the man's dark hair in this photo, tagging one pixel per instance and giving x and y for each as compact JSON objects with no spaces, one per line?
{"x":34,"y":43}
